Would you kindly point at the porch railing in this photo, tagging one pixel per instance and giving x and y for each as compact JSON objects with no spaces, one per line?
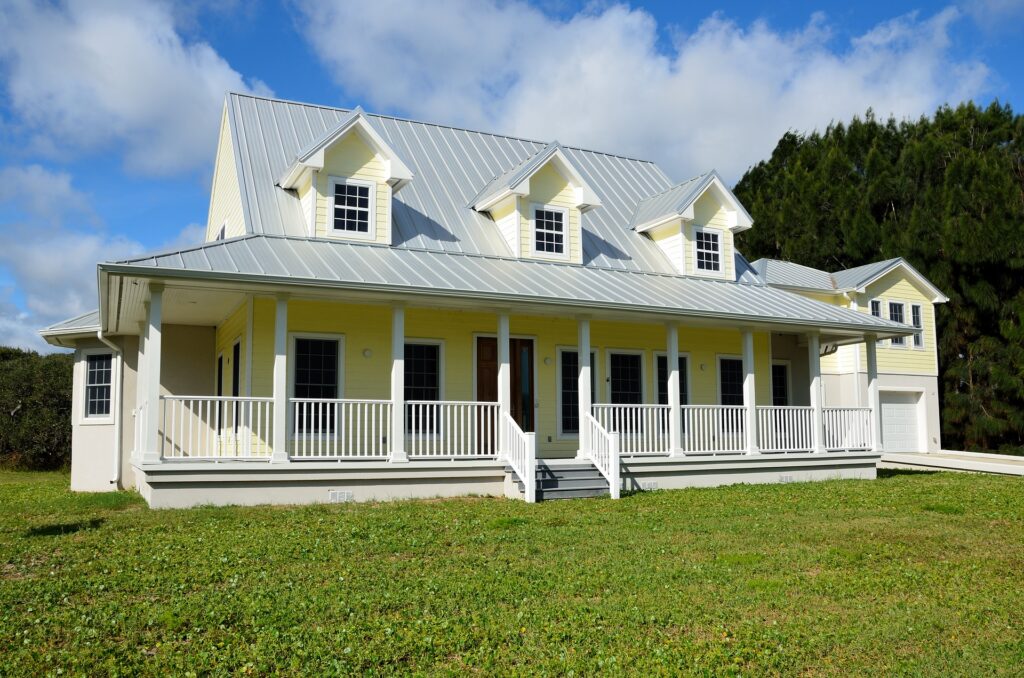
{"x":604,"y":452}
{"x":785,"y":429}
{"x":520,"y":451}
{"x":451,"y":428}
{"x":214,"y":427}
{"x":847,"y":428}
{"x":714,"y":429}
{"x":340,"y":428}
{"x":642,"y":429}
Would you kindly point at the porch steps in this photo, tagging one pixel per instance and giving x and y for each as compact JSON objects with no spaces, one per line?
{"x":566,"y":480}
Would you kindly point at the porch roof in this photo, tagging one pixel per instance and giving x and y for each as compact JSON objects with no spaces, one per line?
{"x":311,"y":262}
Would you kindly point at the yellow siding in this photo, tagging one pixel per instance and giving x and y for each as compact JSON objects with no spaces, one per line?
{"x":225,"y":196}
{"x":352,"y":158}
{"x":669,"y":238}
{"x":708,"y":213}
{"x":549,"y":187}
{"x":897,"y":286}
{"x":228,"y":332}
{"x":306,"y":198}
{"x":369,"y":328}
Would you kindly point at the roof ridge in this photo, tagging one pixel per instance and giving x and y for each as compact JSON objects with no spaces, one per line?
{"x":438,"y":124}
{"x":676,"y":185}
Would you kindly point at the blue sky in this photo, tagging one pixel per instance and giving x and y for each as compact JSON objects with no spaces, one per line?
{"x":110,"y":110}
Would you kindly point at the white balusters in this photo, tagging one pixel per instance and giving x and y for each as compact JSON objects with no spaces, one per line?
{"x":785,"y":429}
{"x":642,"y":429}
{"x":328,"y":428}
{"x":714,"y":429}
{"x":451,"y":428}
{"x":847,"y":428}
{"x":521,"y":451}
{"x":214,"y":427}
{"x":604,"y":451}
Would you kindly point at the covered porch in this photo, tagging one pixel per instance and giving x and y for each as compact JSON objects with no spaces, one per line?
{"x":306,"y":382}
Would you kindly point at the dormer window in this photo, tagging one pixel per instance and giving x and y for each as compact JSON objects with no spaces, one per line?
{"x":708,"y":250}
{"x":549,"y":231}
{"x":352,"y":208}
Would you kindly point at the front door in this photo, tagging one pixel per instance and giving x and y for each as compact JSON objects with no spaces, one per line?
{"x":521,"y":377}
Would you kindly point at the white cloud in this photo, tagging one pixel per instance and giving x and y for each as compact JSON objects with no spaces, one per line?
{"x":720,"y":96}
{"x":51,"y":265}
{"x":103,"y":75}
{"x":23,"y":187}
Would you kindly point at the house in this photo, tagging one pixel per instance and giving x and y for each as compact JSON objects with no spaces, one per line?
{"x":389,"y":308}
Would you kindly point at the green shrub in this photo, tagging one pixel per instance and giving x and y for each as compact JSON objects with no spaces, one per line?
{"x":35,"y":409}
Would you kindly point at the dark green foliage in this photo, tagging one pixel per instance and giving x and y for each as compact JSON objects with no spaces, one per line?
{"x":947,"y":194}
{"x":913,"y":574}
{"x":35,"y":409}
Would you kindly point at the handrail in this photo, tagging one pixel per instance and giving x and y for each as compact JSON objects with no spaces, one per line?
{"x":340,"y":428}
{"x":604,"y":452}
{"x":785,"y":428}
{"x":642,"y":428}
{"x":520,"y":451}
{"x":847,"y":428}
{"x":215,"y":427}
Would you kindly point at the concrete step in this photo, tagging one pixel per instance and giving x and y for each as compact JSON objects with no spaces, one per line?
{"x":574,"y":493}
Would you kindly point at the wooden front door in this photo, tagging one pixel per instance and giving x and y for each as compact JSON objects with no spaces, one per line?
{"x":521,"y":377}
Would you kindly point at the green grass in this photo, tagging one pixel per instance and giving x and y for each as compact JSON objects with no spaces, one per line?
{"x":913,"y":573}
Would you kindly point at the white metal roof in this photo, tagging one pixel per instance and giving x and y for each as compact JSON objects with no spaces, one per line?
{"x":379,"y":268}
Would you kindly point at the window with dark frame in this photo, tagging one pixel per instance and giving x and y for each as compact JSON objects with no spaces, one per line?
{"x":708,"y":251}
{"x":915,"y":320}
{"x":730,"y":379}
{"x":780,"y":386}
{"x":316,"y":376}
{"x":626,"y":378}
{"x":549,"y":231}
{"x":569,"y":412}
{"x":422,"y":382}
{"x":896,"y":315}
{"x":684,"y":397}
{"x":876,"y":308}
{"x":99,"y":373}
{"x":351,"y":207}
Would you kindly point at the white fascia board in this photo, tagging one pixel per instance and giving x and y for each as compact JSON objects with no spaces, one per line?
{"x":658,"y":223}
{"x":740,"y":220}
{"x":937,"y":296}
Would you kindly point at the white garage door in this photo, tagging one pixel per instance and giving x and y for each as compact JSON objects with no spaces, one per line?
{"x":899,"y":422}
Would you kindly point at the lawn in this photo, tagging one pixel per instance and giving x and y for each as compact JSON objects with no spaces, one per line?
{"x":912,"y":573}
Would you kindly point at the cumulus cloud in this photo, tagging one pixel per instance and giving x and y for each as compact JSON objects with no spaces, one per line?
{"x":49,"y":256}
{"x":113,"y":75}
{"x":719,"y":96}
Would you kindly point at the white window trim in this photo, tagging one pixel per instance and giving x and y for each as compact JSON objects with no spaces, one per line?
{"x":718,"y":375}
{"x":789,"y":381}
{"x":888,"y":316}
{"x":564,"y":256}
{"x":689,"y":369}
{"x":330,"y":231}
{"x":880,"y":304}
{"x":608,"y":372}
{"x":720,"y":273}
{"x":920,"y":332}
{"x":83,"y":401}
{"x":292,"y":336}
{"x":594,"y":357}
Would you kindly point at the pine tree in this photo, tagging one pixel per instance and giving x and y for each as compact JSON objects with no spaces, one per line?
{"x":947,"y":194}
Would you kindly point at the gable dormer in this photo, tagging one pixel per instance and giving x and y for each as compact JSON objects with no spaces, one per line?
{"x":537,"y":206}
{"x":344,"y":181}
{"x":694,"y":223}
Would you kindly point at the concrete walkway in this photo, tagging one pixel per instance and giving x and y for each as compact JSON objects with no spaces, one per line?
{"x":949,"y":460}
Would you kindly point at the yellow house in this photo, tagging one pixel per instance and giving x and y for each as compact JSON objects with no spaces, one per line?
{"x":388,"y":308}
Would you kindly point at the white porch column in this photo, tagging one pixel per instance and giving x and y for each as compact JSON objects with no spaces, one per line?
{"x":280,"y":441}
{"x":584,"y":396}
{"x":398,"y":453}
{"x":151,"y":437}
{"x":874,"y":398}
{"x":675,"y":438}
{"x":749,"y":391}
{"x":814,"y":370}
{"x":504,"y":379}
{"x":138,"y":440}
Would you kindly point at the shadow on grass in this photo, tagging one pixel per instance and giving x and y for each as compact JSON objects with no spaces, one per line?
{"x":56,"y":529}
{"x":884,"y":473}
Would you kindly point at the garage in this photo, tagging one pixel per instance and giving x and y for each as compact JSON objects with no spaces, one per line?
{"x":901,"y":421}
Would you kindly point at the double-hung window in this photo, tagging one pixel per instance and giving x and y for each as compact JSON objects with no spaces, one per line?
{"x":422,"y":382}
{"x":352,"y":209}
{"x":730,"y":381}
{"x":876,"y":308}
{"x":315,"y":379}
{"x":626,"y":378}
{"x":569,"y":389}
{"x":549,"y":231}
{"x":708,"y":250}
{"x":684,"y":397}
{"x":915,"y":320}
{"x":780,"y":384}
{"x":98,"y":378}
{"x":896,"y":315}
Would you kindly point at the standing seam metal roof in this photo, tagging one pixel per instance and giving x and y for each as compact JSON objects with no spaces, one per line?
{"x":359,"y":265}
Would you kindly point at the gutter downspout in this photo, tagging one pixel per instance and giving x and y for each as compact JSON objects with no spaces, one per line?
{"x":119,"y":444}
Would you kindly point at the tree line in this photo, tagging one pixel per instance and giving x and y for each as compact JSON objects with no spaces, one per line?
{"x":35,"y":409}
{"x":946,"y":192}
